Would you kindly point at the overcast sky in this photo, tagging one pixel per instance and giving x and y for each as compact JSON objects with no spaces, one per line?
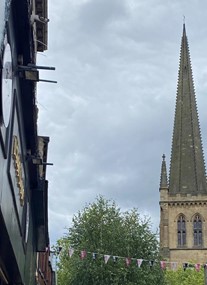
{"x":110,"y":117}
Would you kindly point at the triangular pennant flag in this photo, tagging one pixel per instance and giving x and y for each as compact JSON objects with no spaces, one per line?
{"x":106,"y":258}
{"x":185,"y":265}
{"x":163,"y":264}
{"x":173,"y":265}
{"x":128,"y":261}
{"x":83,"y":254}
{"x":151,"y":263}
{"x":139,"y":262}
{"x":197,"y":267}
{"x":115,"y":258}
{"x":94,"y":255}
{"x":71,"y":251}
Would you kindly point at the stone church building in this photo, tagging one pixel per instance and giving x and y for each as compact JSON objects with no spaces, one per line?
{"x":183,"y":198}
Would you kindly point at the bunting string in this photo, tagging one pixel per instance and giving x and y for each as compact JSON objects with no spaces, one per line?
{"x":139,"y":261}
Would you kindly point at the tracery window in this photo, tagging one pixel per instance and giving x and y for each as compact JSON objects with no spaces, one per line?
{"x":181,"y":230}
{"x":197,"y":230}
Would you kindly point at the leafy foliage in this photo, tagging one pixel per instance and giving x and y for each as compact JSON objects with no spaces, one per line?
{"x":102,"y":228}
{"x":187,"y":277}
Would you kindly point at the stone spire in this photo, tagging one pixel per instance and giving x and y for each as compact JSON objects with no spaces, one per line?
{"x":163,"y":177}
{"x":187,"y":171}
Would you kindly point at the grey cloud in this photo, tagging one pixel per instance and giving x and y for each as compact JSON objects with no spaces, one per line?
{"x":95,"y":15}
{"x":110,"y":117}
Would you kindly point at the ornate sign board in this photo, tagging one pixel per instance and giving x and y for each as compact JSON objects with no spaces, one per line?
{"x":18,"y":169}
{"x":6,"y":84}
{"x":6,"y":92}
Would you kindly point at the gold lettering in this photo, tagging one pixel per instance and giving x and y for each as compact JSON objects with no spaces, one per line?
{"x":18,"y":169}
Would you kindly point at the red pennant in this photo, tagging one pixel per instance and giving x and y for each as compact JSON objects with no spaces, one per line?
{"x":83,"y":254}
{"x":163,"y":264}
{"x":128,"y":261}
{"x":197,"y":267}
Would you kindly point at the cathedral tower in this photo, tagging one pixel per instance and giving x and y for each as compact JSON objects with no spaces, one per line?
{"x":183,"y":200}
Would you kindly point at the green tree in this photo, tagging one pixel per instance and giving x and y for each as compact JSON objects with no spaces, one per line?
{"x":103,"y":229}
{"x":188,"y":277}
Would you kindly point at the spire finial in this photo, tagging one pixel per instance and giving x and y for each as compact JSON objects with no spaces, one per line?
{"x":184,"y":31}
{"x":163,"y":157}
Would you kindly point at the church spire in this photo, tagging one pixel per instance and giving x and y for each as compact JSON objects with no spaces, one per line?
{"x":187,"y":171}
{"x":163,"y":177}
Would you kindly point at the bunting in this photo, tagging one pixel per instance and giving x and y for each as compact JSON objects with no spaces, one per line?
{"x":128,"y":261}
{"x":106,"y":258}
{"x":197,"y":267}
{"x":139,"y":261}
{"x":94,"y":255}
{"x":173,"y":265}
{"x":115,"y":259}
{"x":185,"y":266}
{"x":83,"y":254}
{"x":151,"y":263}
{"x":71,"y":251}
{"x":163,"y":264}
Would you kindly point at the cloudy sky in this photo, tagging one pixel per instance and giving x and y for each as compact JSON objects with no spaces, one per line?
{"x":110,"y":117}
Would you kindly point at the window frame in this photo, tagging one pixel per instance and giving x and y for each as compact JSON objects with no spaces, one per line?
{"x":181,"y":231}
{"x":197,"y":230}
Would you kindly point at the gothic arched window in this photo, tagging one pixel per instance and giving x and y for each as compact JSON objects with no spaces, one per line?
{"x":181,"y":230}
{"x":197,"y":230}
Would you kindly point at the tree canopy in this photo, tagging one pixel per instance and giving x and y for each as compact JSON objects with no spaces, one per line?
{"x":187,"y":277}
{"x":99,"y":230}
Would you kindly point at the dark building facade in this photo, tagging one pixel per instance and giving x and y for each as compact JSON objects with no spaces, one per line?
{"x":23,"y":154}
{"x":183,"y":201}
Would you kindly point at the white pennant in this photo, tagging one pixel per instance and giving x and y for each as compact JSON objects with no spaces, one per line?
{"x":71,"y":251}
{"x":173,"y":265}
{"x":106,"y":258}
{"x":139,"y":262}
